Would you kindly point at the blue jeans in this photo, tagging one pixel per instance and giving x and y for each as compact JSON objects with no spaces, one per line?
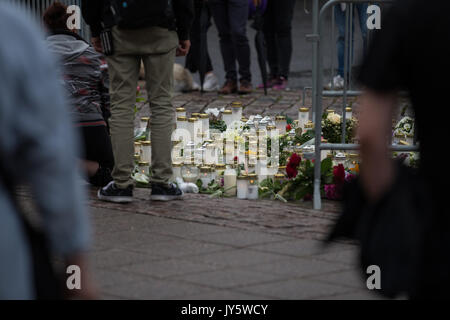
{"x":359,"y":10}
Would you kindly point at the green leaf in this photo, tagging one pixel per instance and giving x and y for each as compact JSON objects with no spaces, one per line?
{"x":326,"y":166}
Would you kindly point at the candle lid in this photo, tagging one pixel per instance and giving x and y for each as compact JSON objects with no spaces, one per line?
{"x":330,"y":111}
{"x":192,"y":119}
{"x":204,"y":116}
{"x":279,"y":176}
{"x":180,"y":109}
{"x":146,"y":143}
{"x":271,"y":127}
{"x":137,"y":143}
{"x":195,"y":114}
{"x":353,"y":155}
{"x":220,"y":166}
{"x":303,"y":109}
{"x":340,"y":155}
{"x":181,"y":118}
{"x":143,"y":163}
{"x":244,"y":119}
{"x":177,"y":164}
{"x":280,"y":118}
{"x":348,"y":109}
{"x":309,"y":125}
{"x":242,"y":177}
{"x":236,"y":104}
{"x":227,"y":112}
{"x":145,"y":118}
{"x":137,"y":156}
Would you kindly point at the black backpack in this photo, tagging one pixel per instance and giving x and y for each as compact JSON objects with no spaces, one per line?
{"x":135,"y":14}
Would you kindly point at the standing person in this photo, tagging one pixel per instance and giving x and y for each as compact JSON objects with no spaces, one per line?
{"x":277,"y":33}
{"x":37,"y":148}
{"x":397,"y":61}
{"x":360,"y":10}
{"x":86,"y":86}
{"x":194,"y":55}
{"x":153,"y":32}
{"x":231,"y":18}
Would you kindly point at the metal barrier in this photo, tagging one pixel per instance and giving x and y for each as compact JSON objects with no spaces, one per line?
{"x":318,"y":92}
{"x":36,"y":9}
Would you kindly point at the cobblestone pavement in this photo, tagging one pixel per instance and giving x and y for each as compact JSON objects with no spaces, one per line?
{"x":203,"y":248}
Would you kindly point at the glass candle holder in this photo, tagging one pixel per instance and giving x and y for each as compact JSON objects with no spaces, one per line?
{"x":303,"y":117}
{"x":137,"y":147}
{"x":229,"y":184}
{"x":348,"y":113}
{"x":220,"y":169}
{"x":144,"y":167}
{"x":198,"y":155}
{"x":143,"y":124}
{"x":339,"y":158}
{"x":251,"y":168}
{"x":188,"y":152}
{"x":352,"y":161}
{"x":206,"y":176}
{"x":210,"y":155}
{"x":192,"y":126}
{"x":176,"y":169}
{"x":204,"y":118}
{"x":252,"y":190}
{"x":281,"y":123}
{"x":137,"y":159}
{"x":190,"y":173}
{"x":177,"y":151}
{"x":227,"y":117}
{"x":181,"y":112}
{"x":146,"y":149}
{"x":257,"y":119}
{"x":236,"y":109}
{"x":242,"y":186}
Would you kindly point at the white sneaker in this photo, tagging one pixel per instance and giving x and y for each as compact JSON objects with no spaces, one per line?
{"x":211,"y":82}
{"x":195,"y":86}
{"x":338,"y":83}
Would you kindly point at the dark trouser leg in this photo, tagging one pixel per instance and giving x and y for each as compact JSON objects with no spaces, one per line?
{"x":219,"y":9}
{"x":270,"y":38}
{"x":193,"y":56}
{"x":284,"y":11}
{"x":238,"y":16}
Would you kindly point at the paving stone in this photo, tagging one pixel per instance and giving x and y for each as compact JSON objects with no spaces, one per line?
{"x":180,"y":248}
{"x":230,"y":278}
{"x":350,"y":278}
{"x":168,"y":268}
{"x":223,"y":295}
{"x":298,"y":267}
{"x":154,"y":289}
{"x":295,"y":289}
{"x":128,"y":239}
{"x":119,"y":257}
{"x":240,"y":238}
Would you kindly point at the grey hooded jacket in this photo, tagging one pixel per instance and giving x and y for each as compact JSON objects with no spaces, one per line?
{"x":85,"y":78}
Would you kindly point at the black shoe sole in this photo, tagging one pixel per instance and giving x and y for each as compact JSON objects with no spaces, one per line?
{"x":115,"y":199}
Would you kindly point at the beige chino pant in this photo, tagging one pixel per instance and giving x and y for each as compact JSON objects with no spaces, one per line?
{"x":156,"y":48}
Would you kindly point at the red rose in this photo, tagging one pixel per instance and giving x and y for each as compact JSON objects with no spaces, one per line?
{"x":288,"y":127}
{"x":291,"y":171}
{"x":339,"y":174}
{"x":294,"y":160}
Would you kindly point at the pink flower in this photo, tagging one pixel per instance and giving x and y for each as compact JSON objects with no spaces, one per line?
{"x":294,"y":160}
{"x":333,"y":192}
{"x":291,"y":171}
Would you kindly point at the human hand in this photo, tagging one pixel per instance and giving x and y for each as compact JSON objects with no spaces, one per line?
{"x":183,"y":48}
{"x":97,"y":44}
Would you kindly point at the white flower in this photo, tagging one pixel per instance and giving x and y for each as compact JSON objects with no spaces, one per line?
{"x":213,"y":111}
{"x":334,"y":118}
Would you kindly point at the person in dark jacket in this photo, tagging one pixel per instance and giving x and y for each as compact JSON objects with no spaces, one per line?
{"x":154,"y":33}
{"x":86,"y":85}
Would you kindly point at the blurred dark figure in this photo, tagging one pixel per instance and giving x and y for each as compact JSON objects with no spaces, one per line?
{"x":231,"y":18}
{"x":87,"y":89}
{"x":277,"y":33}
{"x":194,"y":55}
{"x":37,"y":147}
{"x":401,"y":216}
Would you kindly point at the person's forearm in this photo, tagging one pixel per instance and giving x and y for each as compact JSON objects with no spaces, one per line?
{"x":374,"y":131}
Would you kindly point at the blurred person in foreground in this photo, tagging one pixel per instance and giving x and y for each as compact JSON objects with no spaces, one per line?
{"x":37,"y":148}
{"x":399,"y":215}
{"x":153,"y":32}
{"x":87,"y":88}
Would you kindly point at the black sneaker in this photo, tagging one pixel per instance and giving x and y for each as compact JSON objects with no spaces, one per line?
{"x":112,"y":193}
{"x":166,"y":193}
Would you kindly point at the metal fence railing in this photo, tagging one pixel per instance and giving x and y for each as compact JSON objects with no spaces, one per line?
{"x":36,"y":8}
{"x":318,"y":92}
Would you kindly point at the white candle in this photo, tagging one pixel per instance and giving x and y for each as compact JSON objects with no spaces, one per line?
{"x":144,"y":122}
{"x":205,"y":125}
{"x":348,"y":113}
{"x":280,"y":122}
{"x":303,"y":118}
{"x":252,"y":191}
{"x":227,"y":117}
{"x":144,"y":168}
{"x":137,"y":148}
{"x":146,"y":151}
{"x":230,"y":182}
{"x":242,"y":186}
{"x":181,"y":112}
{"x":205,"y":176}
{"x":176,"y":169}
{"x":236,"y":108}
